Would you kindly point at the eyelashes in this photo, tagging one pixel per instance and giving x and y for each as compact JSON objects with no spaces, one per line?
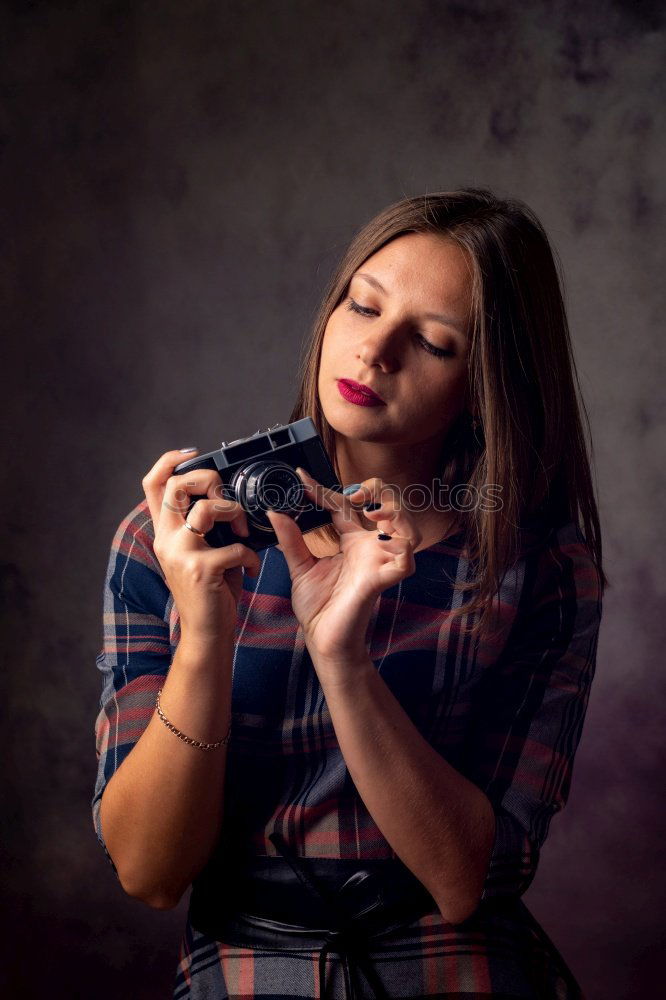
{"x":363,"y":310}
{"x":438,"y":352}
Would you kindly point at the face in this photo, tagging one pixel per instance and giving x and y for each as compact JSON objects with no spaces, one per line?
{"x":401,"y":331}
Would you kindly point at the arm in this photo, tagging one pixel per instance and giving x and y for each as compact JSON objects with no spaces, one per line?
{"x":157,"y":807}
{"x":530,"y":706}
{"x":161,"y":812}
{"x":476,"y":835}
{"x":522,"y":730}
{"x":437,"y":821}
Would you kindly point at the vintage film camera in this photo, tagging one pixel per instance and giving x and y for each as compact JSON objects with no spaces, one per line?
{"x":259,"y":472}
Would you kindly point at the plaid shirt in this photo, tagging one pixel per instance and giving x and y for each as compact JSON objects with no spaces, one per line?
{"x":507,"y":712}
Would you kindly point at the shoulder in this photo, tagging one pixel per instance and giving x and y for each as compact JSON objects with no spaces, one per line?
{"x":564,"y":563}
{"x":134,"y":574}
{"x":134,"y":538}
{"x":562,"y":595}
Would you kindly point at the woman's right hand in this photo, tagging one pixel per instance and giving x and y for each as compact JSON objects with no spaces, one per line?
{"x":206,"y":583}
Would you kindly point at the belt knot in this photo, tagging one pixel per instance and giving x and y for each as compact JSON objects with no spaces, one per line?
{"x":346,"y":938}
{"x":348,"y":941}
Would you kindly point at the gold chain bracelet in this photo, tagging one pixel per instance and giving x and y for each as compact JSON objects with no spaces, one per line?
{"x":187,"y":739}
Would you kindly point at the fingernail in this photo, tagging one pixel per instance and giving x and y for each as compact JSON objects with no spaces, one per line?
{"x":186,"y":450}
{"x":372,"y":506}
{"x":383,"y":537}
{"x":354,"y":488}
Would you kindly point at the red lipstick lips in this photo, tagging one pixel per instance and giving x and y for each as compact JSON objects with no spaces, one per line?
{"x":356,"y":392}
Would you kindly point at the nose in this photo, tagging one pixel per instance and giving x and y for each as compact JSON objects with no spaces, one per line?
{"x":381,"y":346}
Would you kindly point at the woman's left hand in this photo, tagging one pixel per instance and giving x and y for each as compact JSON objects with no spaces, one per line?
{"x":333,"y":597}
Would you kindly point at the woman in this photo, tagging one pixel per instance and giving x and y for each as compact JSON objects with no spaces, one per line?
{"x":402,"y":691}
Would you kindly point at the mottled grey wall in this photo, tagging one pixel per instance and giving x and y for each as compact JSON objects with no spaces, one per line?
{"x":177,"y":181}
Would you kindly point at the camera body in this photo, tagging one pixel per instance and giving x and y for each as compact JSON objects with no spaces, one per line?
{"x":259,"y":472}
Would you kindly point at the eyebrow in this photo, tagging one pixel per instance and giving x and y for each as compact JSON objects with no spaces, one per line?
{"x":437,"y":317}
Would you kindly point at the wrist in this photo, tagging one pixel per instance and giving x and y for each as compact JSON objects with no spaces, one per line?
{"x":341,"y":668}
{"x":201,"y":650}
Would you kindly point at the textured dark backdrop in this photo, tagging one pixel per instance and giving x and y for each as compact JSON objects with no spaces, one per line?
{"x":178,"y":179}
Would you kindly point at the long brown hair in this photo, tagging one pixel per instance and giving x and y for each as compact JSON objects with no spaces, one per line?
{"x":523,"y":431}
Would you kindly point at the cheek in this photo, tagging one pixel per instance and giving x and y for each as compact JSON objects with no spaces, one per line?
{"x":331,"y":345}
{"x":448,"y":397}
{"x":457,"y":397}
{"x":327,"y":366}
{"x":324,"y":360}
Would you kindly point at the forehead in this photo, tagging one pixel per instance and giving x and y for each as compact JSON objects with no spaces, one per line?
{"x":424,"y":266}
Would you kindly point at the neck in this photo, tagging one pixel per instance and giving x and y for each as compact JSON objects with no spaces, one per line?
{"x":396,"y":465}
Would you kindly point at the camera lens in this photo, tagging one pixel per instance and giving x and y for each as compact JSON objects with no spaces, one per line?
{"x":265,"y":485}
{"x":277,"y":487}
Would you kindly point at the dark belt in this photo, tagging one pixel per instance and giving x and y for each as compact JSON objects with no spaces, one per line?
{"x":319,"y":904}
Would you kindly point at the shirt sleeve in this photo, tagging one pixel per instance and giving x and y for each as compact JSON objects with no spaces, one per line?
{"x":136,"y":652}
{"x":530,"y":707}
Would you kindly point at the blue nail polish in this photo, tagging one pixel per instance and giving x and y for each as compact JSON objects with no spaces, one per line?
{"x":372,"y":506}
{"x":351,"y":489}
{"x":383,"y":537}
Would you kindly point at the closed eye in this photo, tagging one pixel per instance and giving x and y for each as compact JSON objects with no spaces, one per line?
{"x":439,"y":352}
{"x":363,"y":310}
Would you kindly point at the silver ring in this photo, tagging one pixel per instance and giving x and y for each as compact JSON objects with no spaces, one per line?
{"x":195,"y":531}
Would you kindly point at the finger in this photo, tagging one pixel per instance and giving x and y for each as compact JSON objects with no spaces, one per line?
{"x":379,"y":501}
{"x":179,"y":490}
{"x":360,"y":493}
{"x":394,"y":521}
{"x":373,"y":491}
{"x":205,"y":513}
{"x":343,"y":513}
{"x":177,"y":500}
{"x":399,"y":560}
{"x":228,"y":556}
{"x":296,"y":553}
{"x":386,"y":511}
{"x":155,"y":479}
